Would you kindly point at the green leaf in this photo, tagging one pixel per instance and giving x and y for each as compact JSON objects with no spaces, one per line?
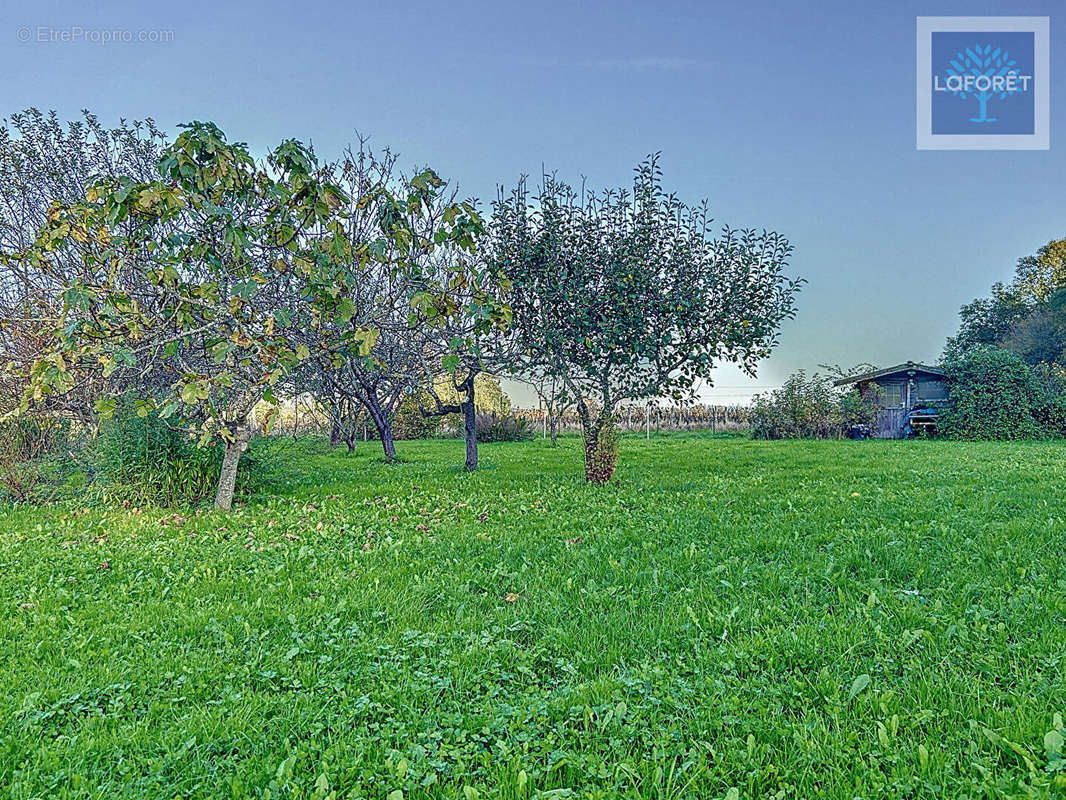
{"x":1053,"y":742}
{"x":321,"y":787}
{"x":193,"y":392}
{"x":244,"y":289}
{"x":366,"y":339}
{"x":428,"y":179}
{"x":345,"y":309}
{"x":76,"y":297}
{"x":284,"y":770}
{"x":221,"y":350}
{"x":858,"y":686}
{"x":422,"y":301}
{"x":105,"y":406}
{"x":270,"y":419}
{"x":125,"y":356}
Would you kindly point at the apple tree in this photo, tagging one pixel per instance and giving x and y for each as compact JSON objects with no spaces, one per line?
{"x":627,"y":295}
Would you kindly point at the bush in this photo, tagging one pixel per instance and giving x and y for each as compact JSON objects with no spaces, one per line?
{"x":854,"y":409}
{"x":142,"y":460}
{"x":27,"y":444}
{"x":809,"y":408}
{"x":498,"y":425}
{"x":1051,"y":412}
{"x":502,"y":428}
{"x":995,"y":395}
{"x":408,"y":422}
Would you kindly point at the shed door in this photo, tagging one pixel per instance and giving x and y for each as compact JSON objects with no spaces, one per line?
{"x":890,"y":423}
{"x":893,"y":401}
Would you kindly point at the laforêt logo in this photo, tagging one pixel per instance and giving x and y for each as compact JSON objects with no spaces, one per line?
{"x":982,"y":83}
{"x":982,"y":73}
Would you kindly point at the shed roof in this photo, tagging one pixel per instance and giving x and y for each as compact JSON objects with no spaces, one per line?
{"x":910,"y":366}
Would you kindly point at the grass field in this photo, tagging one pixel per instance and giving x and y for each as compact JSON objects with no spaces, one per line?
{"x":728,"y":619}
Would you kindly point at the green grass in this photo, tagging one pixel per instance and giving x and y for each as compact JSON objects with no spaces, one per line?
{"x":728,"y":619}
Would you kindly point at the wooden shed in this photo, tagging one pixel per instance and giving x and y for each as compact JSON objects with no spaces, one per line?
{"x":907,"y":395}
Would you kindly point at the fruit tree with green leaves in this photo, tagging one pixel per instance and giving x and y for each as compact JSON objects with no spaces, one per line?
{"x":626,"y":295}
{"x":189,"y":286}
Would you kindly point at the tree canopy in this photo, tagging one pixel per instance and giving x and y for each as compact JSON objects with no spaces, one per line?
{"x":1026,"y":317}
{"x":627,"y":294}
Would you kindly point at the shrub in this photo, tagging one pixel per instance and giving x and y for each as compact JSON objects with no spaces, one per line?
{"x":145,"y":461}
{"x":994,"y":395}
{"x":809,"y":407}
{"x":26,"y":444}
{"x":855,"y":409}
{"x":408,"y":422}
{"x":502,"y":428}
{"x":495,"y":425}
{"x":1051,"y":412}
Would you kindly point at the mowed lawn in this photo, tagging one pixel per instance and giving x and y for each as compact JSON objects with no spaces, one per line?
{"x":727,"y":619}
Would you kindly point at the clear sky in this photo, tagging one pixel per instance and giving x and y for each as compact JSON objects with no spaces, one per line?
{"x":795,"y":116}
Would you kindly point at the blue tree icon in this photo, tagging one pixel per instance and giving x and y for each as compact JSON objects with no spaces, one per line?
{"x":983,"y":72}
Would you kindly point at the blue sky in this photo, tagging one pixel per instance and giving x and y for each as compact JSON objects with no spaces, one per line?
{"x":793,"y":116}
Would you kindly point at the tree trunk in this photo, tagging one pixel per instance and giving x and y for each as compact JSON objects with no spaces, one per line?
{"x":387,"y":443}
{"x":384,"y":428}
{"x":601,"y":446}
{"x":350,"y":441}
{"x":335,"y":433}
{"x":553,"y":426}
{"x":470,"y":428}
{"x":227,"y":478}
